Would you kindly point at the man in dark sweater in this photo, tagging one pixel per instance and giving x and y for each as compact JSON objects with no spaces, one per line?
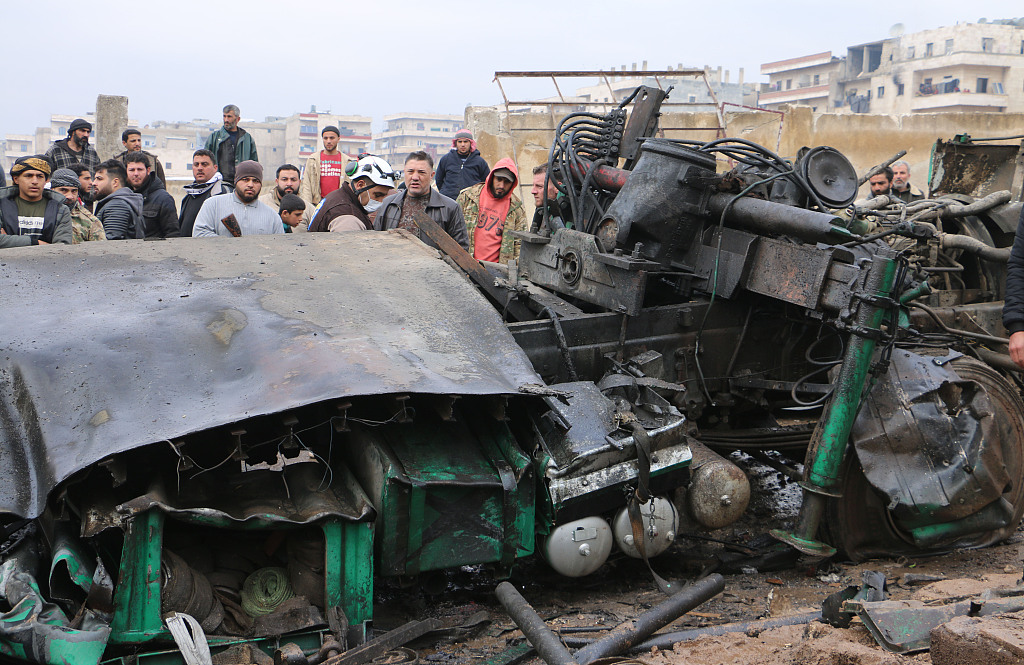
{"x":208,"y":182}
{"x":462,"y":167}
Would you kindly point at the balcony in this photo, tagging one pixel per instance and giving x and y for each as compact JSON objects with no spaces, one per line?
{"x":794,"y":94}
{"x":960,"y":58}
{"x":952,"y":101}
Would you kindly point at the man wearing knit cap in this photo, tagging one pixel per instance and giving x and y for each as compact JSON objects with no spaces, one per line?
{"x":324,"y":172}
{"x":462,"y":167}
{"x":238,"y":213}
{"x":75,"y":148}
{"x":492,"y":211}
{"x":85,"y":226}
{"x":29,"y":213}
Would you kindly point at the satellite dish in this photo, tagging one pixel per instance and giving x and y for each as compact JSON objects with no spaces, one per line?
{"x":897,"y":29}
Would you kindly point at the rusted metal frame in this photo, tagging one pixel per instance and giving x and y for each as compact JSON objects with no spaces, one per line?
{"x":718,"y":107}
{"x":379,"y":646}
{"x":610,"y":91}
{"x":557,"y":89}
{"x":592,"y":73}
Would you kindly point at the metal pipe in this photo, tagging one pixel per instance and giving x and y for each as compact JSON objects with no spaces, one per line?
{"x":666,"y":640}
{"x":771,"y":217}
{"x":629,"y":633}
{"x":829,"y":444}
{"x":547,"y":644}
{"x":975,"y":246}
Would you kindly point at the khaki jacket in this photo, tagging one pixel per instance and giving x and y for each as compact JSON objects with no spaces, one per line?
{"x":270,"y":197}
{"x":309,"y":190}
{"x":469,"y":201}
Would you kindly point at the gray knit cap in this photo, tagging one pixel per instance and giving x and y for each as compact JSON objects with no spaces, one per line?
{"x":64,"y":178}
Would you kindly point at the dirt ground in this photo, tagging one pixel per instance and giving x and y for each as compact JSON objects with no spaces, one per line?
{"x":623,"y":588}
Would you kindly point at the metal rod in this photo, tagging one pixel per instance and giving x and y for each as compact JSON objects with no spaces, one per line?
{"x":629,"y":633}
{"x":666,"y":640}
{"x":547,"y":644}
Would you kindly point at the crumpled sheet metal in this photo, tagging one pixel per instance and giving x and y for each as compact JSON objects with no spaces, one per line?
{"x":921,"y":425}
{"x":110,"y":346}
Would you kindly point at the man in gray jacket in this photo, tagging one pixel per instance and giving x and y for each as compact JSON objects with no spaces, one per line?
{"x":117,"y":206}
{"x":239,"y":213}
{"x":398,"y":210}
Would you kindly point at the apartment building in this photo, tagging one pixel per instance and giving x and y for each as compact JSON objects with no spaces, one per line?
{"x":408,"y":132}
{"x":967,"y":67}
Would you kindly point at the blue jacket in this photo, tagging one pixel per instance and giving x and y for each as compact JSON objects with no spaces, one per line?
{"x":453,"y":175}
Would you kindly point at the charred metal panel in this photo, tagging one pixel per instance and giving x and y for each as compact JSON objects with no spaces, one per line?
{"x":788,"y":272}
{"x":128,"y":343}
{"x":571,"y":263}
{"x":976,"y":169}
{"x":929,"y":440}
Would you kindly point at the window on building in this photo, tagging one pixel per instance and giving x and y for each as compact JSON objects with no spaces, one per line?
{"x":981,"y":85}
{"x":927,"y":81}
{"x":789,"y":84}
{"x":420,"y":126}
{"x":817,"y":79}
{"x":188,"y":167}
{"x":928,"y":49}
{"x":949,"y":46}
{"x":869,"y":94}
{"x":899,"y":89}
{"x":419,"y":143}
{"x":881,"y":91}
{"x":24,"y":147}
{"x":910,"y":53}
{"x":167,"y":165}
{"x":987,"y":44}
{"x":693,"y":98}
{"x":1022,"y":47}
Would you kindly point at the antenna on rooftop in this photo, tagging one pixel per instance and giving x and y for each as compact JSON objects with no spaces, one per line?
{"x":897,"y":29}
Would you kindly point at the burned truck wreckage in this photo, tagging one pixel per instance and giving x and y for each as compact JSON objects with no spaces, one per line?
{"x":233,"y":441}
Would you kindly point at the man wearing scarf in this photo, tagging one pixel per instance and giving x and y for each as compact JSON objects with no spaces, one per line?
{"x":30,"y":214}
{"x":85,"y":226}
{"x":492,"y":211}
{"x":75,"y":148}
{"x":209,"y":182}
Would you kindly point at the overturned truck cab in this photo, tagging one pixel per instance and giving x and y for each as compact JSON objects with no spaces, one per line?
{"x":247,"y":433}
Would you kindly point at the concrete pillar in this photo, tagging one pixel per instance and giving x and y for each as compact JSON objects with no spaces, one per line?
{"x":645,"y":65}
{"x":739,"y":81}
{"x":634,"y":66}
{"x":111,"y":120}
{"x":727,"y":76}
{"x":718,"y":74}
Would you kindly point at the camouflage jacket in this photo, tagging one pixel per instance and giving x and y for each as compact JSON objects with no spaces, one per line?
{"x":469,"y":201}
{"x":85,"y":226}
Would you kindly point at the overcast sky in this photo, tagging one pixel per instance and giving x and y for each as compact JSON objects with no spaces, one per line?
{"x":182,"y":59}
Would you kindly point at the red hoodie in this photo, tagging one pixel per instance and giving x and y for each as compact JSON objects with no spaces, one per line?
{"x":490,"y":221}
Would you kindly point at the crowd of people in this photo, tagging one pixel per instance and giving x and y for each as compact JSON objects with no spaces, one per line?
{"x":68,"y":195}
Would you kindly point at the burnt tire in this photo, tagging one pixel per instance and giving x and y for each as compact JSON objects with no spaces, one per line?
{"x":860,"y":526}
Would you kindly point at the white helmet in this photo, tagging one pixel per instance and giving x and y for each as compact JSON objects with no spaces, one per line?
{"x":376,"y":169}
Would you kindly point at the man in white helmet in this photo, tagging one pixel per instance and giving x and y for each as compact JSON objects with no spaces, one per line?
{"x":354,"y":206}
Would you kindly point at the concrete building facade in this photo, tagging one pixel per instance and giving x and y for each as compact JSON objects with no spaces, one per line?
{"x":968,"y":67}
{"x":408,"y":132}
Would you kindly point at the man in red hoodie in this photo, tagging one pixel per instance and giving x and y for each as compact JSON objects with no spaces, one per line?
{"x":492,"y":210}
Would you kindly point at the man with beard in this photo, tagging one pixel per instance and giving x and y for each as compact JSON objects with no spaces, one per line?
{"x":325,"y":172}
{"x":74,"y":149}
{"x":399,"y":210}
{"x":29,"y":213}
{"x":85,"y":226}
{"x":355,"y":205}
{"x":462,"y":166}
{"x":131,"y":139}
{"x":117,"y":206}
{"x":231,"y":145}
{"x":209,"y":182}
{"x":252,"y":217}
{"x":492,"y":211}
{"x":159,"y":215}
{"x":901,"y":187}
{"x":288,"y":182}
{"x":557,"y":206}
{"x":86,"y":192}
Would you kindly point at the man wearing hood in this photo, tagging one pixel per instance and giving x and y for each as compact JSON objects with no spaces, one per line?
{"x":117,"y":206}
{"x":355,"y":205}
{"x":209,"y":182}
{"x":29,"y":213}
{"x":461,"y":167}
{"x":85,"y":226}
{"x":159,"y":215}
{"x":75,"y":148}
{"x":492,"y":211}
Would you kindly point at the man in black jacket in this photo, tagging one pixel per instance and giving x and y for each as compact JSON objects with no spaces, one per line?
{"x":462,"y":167}
{"x":131,"y":139}
{"x":399,"y":210}
{"x":30,"y":214}
{"x":117,"y":206}
{"x":1013,"y":305}
{"x":160,"y":216}
{"x":209,"y":182}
